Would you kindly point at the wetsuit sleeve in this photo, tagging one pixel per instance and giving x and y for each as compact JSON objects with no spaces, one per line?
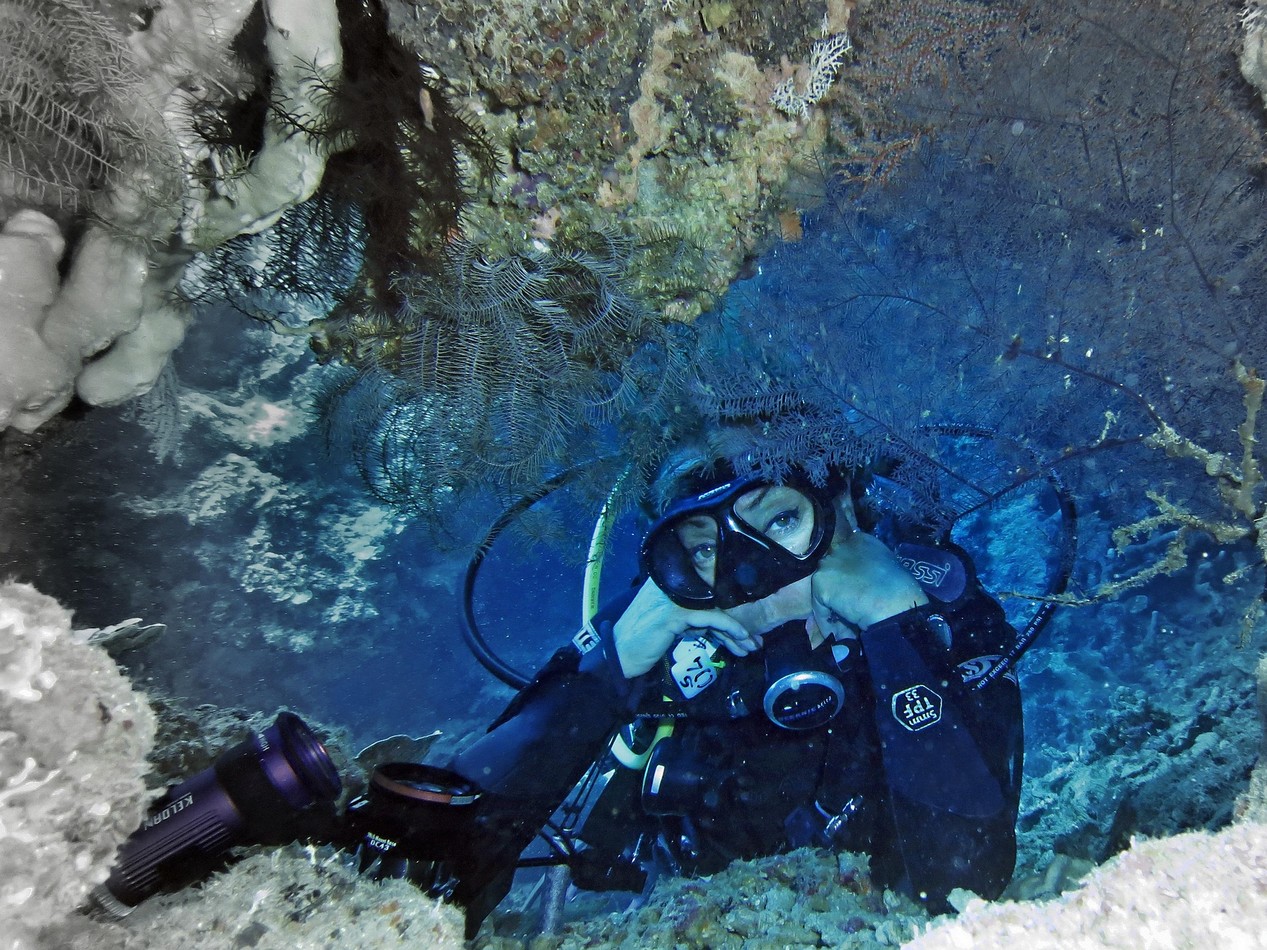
{"x":951,"y":754}
{"x":532,"y":756}
{"x":562,"y":719}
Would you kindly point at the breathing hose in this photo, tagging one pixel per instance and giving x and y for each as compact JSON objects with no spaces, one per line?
{"x":471,"y":634}
{"x":512,"y":677}
{"x":1059,"y":580}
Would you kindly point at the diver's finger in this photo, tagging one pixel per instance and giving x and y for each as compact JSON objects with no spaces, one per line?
{"x":737,"y":647}
{"x":731,"y":634}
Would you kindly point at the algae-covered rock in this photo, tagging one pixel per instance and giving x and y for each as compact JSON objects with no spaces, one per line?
{"x":651,"y":117}
{"x":807,"y":898}
{"x":73,"y":739}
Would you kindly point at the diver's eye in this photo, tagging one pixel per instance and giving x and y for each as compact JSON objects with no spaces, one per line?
{"x":703,"y":555}
{"x":785,"y":522}
{"x":791,"y":527}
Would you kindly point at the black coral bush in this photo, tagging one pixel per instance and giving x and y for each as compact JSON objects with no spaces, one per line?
{"x":1078,"y":227}
{"x":511,"y":368}
{"x":404,"y":160}
{"x":1061,"y":240}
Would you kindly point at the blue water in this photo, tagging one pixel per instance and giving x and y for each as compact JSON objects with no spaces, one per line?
{"x":1032,"y":298}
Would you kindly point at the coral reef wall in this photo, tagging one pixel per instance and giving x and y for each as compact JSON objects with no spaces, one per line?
{"x":1193,"y":889}
{"x":659,"y":119}
{"x":1252,"y":805}
{"x":73,"y":740}
{"x":218,"y":481}
{"x":654,"y":115}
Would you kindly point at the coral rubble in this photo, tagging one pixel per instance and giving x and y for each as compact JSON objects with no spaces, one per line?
{"x":73,"y":739}
{"x":279,"y":900}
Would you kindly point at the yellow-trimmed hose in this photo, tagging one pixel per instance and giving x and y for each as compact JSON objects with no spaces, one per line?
{"x":590,"y":603}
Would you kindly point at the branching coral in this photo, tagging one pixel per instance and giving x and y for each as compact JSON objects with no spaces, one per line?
{"x":1237,"y":484}
{"x":824,"y":62}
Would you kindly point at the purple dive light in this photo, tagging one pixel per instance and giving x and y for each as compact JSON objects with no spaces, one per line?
{"x":250,"y":793}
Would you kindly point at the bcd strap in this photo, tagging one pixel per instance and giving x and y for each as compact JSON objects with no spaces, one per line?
{"x":929,"y":755}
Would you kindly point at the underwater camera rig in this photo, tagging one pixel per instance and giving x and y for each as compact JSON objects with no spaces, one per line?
{"x":413,"y":822}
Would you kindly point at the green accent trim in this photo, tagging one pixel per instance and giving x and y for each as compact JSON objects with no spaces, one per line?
{"x":638,"y":760}
{"x":598,"y":550}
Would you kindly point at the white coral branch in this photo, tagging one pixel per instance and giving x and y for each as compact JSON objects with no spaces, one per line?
{"x":825,"y":60}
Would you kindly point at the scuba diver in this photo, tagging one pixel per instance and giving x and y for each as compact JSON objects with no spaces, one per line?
{"x":794,"y":666}
{"x":780,"y":677}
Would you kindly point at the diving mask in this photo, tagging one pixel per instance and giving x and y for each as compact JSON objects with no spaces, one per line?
{"x":738,"y":542}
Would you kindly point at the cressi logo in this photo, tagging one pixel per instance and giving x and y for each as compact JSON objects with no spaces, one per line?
{"x":925,"y":571}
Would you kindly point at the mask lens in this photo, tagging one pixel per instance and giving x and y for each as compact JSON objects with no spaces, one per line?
{"x":698,"y":536}
{"x":737,"y":543}
{"x":781,"y":514}
{"x":666,"y":560}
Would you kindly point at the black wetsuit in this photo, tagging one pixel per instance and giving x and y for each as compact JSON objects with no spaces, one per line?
{"x":918,"y":769}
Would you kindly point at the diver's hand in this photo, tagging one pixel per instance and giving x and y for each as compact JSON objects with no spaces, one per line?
{"x":861,"y":582}
{"x":653,"y":623}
